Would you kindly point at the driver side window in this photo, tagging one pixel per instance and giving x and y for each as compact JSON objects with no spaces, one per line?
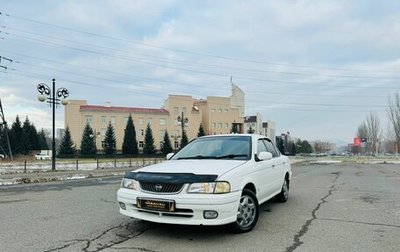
{"x":261,"y":146}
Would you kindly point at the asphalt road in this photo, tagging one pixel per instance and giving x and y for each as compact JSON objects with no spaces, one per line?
{"x":336,"y":207}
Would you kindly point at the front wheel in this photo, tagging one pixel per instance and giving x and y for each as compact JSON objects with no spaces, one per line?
{"x":248,"y":212}
{"x":284,"y":194}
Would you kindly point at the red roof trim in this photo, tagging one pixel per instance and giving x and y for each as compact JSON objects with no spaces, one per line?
{"x":123,"y":109}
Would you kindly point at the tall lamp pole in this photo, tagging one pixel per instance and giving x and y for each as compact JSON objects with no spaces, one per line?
{"x":183,"y":121}
{"x":53,"y":98}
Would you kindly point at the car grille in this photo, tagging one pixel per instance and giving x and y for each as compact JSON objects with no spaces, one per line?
{"x":161,"y":187}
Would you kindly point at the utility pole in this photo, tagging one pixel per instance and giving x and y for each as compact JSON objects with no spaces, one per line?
{"x":3,"y":125}
{"x":7,"y":59}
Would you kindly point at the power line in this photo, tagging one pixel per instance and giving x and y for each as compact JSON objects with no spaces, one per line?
{"x":146,"y":61}
{"x":268,"y":101}
{"x":175,"y":49}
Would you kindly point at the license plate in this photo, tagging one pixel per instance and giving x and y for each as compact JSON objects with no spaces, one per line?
{"x":157,"y":205}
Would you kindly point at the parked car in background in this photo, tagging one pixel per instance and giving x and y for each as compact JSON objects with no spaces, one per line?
{"x":214,"y":180}
{"x":41,"y":156}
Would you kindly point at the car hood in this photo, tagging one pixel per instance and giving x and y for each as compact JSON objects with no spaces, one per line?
{"x":200,"y":167}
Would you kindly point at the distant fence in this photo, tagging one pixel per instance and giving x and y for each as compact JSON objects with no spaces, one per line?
{"x":79,"y":164}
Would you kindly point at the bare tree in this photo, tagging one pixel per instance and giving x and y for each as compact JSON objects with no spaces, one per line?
{"x":394,"y":117}
{"x":373,"y":131}
{"x":322,"y":146}
{"x":362,"y":131}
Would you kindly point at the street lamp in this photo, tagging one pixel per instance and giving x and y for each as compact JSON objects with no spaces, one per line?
{"x":45,"y":93}
{"x":183,"y":120}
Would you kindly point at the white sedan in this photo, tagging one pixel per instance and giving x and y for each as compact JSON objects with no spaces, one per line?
{"x":214,"y":180}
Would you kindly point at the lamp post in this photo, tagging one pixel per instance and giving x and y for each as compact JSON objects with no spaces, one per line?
{"x":53,"y":98}
{"x":183,"y":120}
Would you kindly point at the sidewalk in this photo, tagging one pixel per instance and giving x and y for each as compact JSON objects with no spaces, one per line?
{"x":43,"y":176}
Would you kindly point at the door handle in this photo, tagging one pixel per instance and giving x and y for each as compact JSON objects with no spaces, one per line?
{"x":273,"y":166}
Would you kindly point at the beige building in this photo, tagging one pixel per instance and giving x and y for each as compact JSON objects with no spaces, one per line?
{"x":216,"y":114}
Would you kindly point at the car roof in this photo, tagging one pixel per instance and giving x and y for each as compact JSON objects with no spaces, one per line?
{"x":257,"y":136}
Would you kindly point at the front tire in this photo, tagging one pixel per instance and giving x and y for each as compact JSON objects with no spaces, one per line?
{"x":284,"y":194}
{"x":248,"y":212}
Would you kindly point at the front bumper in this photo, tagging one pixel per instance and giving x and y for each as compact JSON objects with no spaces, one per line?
{"x":189,"y":207}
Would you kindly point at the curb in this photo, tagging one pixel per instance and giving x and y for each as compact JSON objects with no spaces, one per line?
{"x":41,"y":177}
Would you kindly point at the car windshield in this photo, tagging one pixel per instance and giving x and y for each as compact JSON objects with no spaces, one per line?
{"x":229,"y":147}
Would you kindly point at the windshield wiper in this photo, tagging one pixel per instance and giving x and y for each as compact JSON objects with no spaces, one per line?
{"x":230,"y":156}
{"x":198,"y":157}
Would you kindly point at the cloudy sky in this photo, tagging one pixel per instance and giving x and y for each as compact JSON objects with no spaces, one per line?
{"x":316,"y":68}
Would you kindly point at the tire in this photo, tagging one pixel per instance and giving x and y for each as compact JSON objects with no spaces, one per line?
{"x":284,"y":194}
{"x":248,"y":212}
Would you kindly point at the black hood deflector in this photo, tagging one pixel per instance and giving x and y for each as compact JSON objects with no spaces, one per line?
{"x":169,"y":178}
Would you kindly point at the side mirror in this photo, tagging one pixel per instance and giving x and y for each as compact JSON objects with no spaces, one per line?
{"x":169,"y":155}
{"x":264,"y":155}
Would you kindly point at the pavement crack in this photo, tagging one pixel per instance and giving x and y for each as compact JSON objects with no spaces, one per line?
{"x":137,"y":248}
{"x":361,"y":222}
{"x":72,"y":242}
{"x":116,"y":237}
{"x":108,"y":238}
{"x":304,"y":229}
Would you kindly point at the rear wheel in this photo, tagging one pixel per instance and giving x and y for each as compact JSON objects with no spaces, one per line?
{"x":284,"y":194}
{"x":248,"y":212}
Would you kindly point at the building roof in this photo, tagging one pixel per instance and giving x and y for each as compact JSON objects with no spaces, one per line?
{"x":250,"y":119}
{"x":98,"y":108}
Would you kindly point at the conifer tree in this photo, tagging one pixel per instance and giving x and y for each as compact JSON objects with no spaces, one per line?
{"x":88,"y":142}
{"x":184,"y":139}
{"x":33,"y":136}
{"x":42,"y":143}
{"x":109,"y":141}
{"x":66,"y":145}
{"x":130,"y":145}
{"x":167,"y":147}
{"x":201,"y":131}
{"x":148,"y":147}
{"x":16,"y":135}
{"x":26,"y":145}
{"x":234,"y":129}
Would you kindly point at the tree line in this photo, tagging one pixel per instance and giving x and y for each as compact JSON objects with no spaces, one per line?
{"x":371,"y":134}
{"x":129,"y":145}
{"x":293,"y":147}
{"x":24,"y":138}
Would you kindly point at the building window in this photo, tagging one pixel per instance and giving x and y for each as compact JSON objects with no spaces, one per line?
{"x":162,"y":132}
{"x":142,"y":132}
{"x":150,"y":120}
{"x":161,"y":144}
{"x":141,"y":120}
{"x":226,"y":110}
{"x":219,"y":125}
{"x":163,"y":121}
{"x":176,"y":145}
{"x":220,"y":110}
{"x":141,"y":144}
{"x":214,"y":125}
{"x":112,"y":119}
{"x":176,"y":110}
{"x":126,"y":120}
{"x":104,"y":120}
{"x":213,"y":110}
{"x":103,"y":132}
{"x":225,"y":126}
{"x":89,"y":120}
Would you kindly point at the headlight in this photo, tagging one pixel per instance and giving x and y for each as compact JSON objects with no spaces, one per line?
{"x":210,"y":187}
{"x":129,"y":183}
